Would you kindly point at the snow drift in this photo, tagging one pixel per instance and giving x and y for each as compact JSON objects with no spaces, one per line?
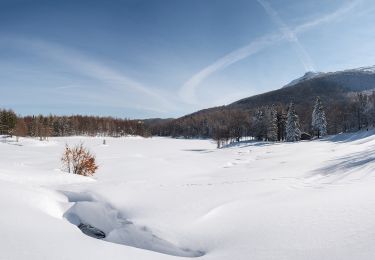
{"x":306,"y":200}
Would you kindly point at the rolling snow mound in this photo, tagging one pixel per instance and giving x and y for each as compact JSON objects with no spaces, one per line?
{"x":100,"y":220}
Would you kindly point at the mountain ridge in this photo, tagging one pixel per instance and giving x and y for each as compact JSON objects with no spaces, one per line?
{"x":367,"y":70}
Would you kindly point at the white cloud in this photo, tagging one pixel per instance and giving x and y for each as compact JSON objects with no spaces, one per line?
{"x":336,"y":15}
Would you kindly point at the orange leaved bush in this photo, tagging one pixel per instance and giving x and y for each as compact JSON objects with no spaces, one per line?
{"x":79,"y":160}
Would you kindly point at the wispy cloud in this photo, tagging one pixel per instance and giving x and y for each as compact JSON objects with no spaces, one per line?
{"x":336,"y":15}
{"x":188,"y":89}
{"x":67,"y":87}
{"x":94,"y":69}
{"x":289,"y":34}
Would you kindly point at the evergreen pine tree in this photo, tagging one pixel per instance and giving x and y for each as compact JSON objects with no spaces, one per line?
{"x":319,"y":122}
{"x":272,"y":129}
{"x":8,"y":120}
{"x":293,"y":132}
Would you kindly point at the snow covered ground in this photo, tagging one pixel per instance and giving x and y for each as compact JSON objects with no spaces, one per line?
{"x":163,"y":198}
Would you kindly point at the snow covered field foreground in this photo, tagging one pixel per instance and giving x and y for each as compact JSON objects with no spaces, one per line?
{"x":164,"y":198}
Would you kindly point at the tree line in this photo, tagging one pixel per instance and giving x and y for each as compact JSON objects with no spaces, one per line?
{"x":223,"y":124}
{"x":45,"y":126}
{"x":274,"y":122}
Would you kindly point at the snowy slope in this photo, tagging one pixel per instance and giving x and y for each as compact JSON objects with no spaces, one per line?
{"x":164,"y":198}
{"x":362,"y":78}
{"x":308,"y":75}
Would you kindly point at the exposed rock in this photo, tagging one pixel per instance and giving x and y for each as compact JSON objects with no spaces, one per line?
{"x":91,"y":231}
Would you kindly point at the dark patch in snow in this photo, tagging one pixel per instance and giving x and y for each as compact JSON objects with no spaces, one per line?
{"x":91,"y":231}
{"x":198,"y":150}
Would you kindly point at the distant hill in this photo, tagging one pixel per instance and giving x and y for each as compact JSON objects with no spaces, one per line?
{"x":330,"y":86}
{"x":337,"y":91}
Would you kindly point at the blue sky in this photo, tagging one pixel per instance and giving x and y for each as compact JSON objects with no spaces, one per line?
{"x":167,"y":58}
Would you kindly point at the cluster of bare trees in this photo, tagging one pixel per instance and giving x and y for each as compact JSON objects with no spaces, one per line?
{"x":363,"y":106}
{"x":226,"y":125}
{"x":45,"y":126}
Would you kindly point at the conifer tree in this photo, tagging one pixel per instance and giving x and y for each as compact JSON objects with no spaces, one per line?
{"x":8,"y":120}
{"x":271,"y":121}
{"x":319,"y":122}
{"x":293,"y":133}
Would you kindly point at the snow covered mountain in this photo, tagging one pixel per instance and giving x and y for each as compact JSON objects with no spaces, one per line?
{"x":354,"y":79}
{"x":330,"y":86}
{"x":308,"y":75}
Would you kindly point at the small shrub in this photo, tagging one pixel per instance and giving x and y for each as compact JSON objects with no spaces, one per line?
{"x":79,"y":160}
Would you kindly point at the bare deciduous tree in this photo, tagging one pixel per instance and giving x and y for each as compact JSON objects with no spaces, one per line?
{"x":79,"y":160}
{"x":20,"y":129}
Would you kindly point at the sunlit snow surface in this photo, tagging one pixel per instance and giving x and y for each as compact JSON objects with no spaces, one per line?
{"x":163,"y":198}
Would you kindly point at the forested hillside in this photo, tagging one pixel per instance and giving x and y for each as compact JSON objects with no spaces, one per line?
{"x":347,"y":97}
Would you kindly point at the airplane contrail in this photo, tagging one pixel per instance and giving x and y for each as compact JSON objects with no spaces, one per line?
{"x":188,"y":89}
{"x":289,"y":34}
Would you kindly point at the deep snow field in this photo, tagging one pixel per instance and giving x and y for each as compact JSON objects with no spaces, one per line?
{"x":163,"y":198}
